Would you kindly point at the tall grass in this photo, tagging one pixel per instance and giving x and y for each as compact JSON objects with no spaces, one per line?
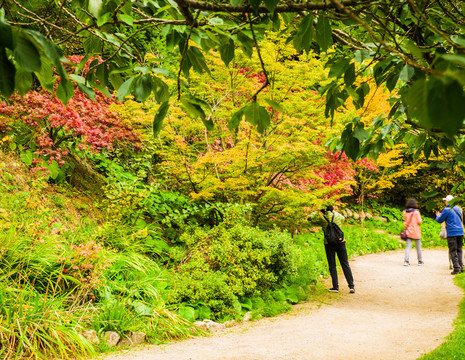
{"x":36,"y":319}
{"x":53,"y":286}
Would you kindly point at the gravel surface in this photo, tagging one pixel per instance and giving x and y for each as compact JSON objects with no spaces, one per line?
{"x":396,"y":313}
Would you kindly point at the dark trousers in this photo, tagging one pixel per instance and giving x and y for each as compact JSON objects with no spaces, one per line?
{"x":341,"y":251}
{"x":455,"y":244}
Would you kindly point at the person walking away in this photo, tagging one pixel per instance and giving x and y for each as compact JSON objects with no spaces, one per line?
{"x":453,"y":217}
{"x":412,"y":221}
{"x":322,"y":219}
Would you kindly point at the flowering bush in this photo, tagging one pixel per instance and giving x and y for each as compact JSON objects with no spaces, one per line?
{"x":43,"y":127}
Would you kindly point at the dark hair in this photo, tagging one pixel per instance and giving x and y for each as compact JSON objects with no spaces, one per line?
{"x":411,"y":203}
{"x":329,"y":208}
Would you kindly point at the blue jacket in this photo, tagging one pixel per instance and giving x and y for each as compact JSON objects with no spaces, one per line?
{"x":453,"y":221}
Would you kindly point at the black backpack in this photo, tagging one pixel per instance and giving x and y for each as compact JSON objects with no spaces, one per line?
{"x":333,"y":233}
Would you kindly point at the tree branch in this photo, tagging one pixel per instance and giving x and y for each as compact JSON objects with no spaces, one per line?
{"x":287,"y":8}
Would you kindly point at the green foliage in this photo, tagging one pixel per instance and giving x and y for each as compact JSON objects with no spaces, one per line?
{"x":232,"y":261}
{"x":280,"y":170}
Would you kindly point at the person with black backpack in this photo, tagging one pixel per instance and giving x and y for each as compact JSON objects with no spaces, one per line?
{"x":331,"y":222}
{"x":453,"y":217}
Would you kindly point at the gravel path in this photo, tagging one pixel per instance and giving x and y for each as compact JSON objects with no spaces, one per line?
{"x":396,"y":313}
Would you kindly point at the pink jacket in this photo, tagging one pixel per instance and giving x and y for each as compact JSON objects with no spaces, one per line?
{"x":412,"y":221}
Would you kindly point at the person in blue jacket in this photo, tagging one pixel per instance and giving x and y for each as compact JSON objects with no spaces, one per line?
{"x":453,"y":217}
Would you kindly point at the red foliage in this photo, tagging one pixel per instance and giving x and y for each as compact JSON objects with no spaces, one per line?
{"x":337,"y":170}
{"x":250,"y":74}
{"x":90,"y":121}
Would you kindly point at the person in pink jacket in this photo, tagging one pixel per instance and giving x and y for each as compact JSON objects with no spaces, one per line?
{"x":412,"y":221}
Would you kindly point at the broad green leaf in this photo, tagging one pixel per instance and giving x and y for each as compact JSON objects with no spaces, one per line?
{"x":141,"y":309}
{"x":6,"y":35}
{"x":361,"y":55}
{"x":236,"y":2}
{"x":339,"y":68}
{"x":246,"y":43}
{"x":416,"y":99}
{"x":87,"y":90}
{"x":161,"y":90}
{"x":128,"y":19}
{"x":203,"y":312}
{"x":446,"y":143}
{"x":251,"y":113}
{"x":361,"y":134}
{"x":427,"y":149}
{"x":65,"y":91}
{"x":386,"y":130}
{"x":227,"y":52}
{"x":255,"y":4}
{"x":26,"y":54}
{"x":159,"y":116}
{"x":352,"y":148}
{"x":193,"y":107}
{"x":445,"y":105}
{"x":208,"y":123}
{"x":216,"y":21}
{"x":51,"y":52}
{"x":78,"y":79}
{"x":275,"y":105}
{"x":116,"y":80}
{"x":257,"y":115}
{"x":82,"y":63}
{"x":236,"y":119}
{"x":445,"y":166}
{"x":54,"y":169}
{"x":263,"y":120}
{"x":23,"y":81}
{"x":349,"y":75}
{"x":187,"y":313}
{"x":271,"y":5}
{"x":420,"y":140}
{"x":304,"y":36}
{"x":103,"y":89}
{"x":142,"y":88}
{"x":353,"y":94}
{"x":125,"y":89}
{"x":197,"y":60}
{"x":46,"y":75}
{"x":7,"y":74}
{"x":458,"y":40}
{"x":323,"y":33}
{"x":380,"y":70}
{"x":92,"y":45}
{"x":104,"y":18}
{"x":27,"y":157}
{"x":410,"y":46}
{"x":101,"y":72}
{"x":406,"y":73}
{"x":95,"y":7}
{"x":430,"y":194}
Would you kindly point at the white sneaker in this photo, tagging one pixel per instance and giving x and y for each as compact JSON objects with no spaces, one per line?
{"x":406,"y":263}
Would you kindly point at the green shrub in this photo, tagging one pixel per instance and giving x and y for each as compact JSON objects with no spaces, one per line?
{"x":230,"y":262}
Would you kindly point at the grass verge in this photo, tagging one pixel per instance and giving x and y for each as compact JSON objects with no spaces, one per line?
{"x":454,"y":347}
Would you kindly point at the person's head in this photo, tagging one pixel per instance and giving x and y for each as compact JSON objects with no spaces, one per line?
{"x":330,"y":208}
{"x":448,"y":199}
{"x":411,"y":204}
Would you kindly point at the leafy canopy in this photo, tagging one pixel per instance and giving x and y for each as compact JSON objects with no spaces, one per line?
{"x":416,"y":49}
